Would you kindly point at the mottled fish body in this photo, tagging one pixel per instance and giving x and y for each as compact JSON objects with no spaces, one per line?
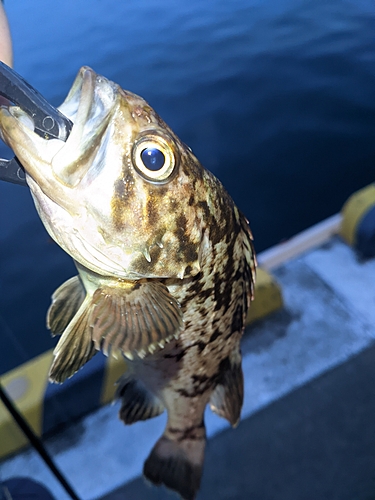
{"x":165,"y":260}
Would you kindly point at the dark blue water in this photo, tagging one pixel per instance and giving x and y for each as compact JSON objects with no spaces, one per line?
{"x":276,"y":97}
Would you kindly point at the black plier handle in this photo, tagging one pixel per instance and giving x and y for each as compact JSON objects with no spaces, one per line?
{"x":49,"y":123}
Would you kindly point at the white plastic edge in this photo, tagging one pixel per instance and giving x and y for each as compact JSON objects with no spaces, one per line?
{"x":312,"y":237}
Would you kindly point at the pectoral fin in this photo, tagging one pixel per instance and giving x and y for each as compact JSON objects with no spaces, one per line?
{"x":138,"y":320}
{"x":227,"y":398}
{"x":75,"y":346}
{"x":66,"y":301}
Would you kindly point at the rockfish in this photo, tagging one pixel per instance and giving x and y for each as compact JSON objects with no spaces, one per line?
{"x":165,"y":263}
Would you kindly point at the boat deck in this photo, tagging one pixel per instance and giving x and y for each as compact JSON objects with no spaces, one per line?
{"x":307,"y":429}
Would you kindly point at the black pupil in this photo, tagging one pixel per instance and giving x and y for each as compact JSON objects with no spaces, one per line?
{"x":153,"y":158}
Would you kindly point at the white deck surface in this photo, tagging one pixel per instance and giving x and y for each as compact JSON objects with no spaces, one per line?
{"x":329,"y":316}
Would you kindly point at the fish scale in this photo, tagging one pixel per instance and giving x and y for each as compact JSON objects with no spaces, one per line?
{"x":165,"y":260}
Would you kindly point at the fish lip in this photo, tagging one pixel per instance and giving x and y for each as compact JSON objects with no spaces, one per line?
{"x":91,"y":91}
{"x":90,"y":104}
{"x":83,"y":81}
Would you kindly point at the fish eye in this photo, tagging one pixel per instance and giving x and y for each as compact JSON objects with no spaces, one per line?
{"x":153,"y":158}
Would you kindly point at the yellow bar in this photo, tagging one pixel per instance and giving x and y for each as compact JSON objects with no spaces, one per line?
{"x":268,"y":297}
{"x":113,"y":370}
{"x":354,"y":210}
{"x":26,"y":386}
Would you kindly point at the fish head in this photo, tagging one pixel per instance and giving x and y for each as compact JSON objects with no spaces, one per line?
{"x":120,"y":194}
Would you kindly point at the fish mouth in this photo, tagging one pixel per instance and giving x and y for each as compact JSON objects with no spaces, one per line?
{"x":53,"y":165}
{"x":89,"y":105}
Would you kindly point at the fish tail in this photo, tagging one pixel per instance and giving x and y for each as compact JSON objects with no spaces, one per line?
{"x":177,"y":460}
